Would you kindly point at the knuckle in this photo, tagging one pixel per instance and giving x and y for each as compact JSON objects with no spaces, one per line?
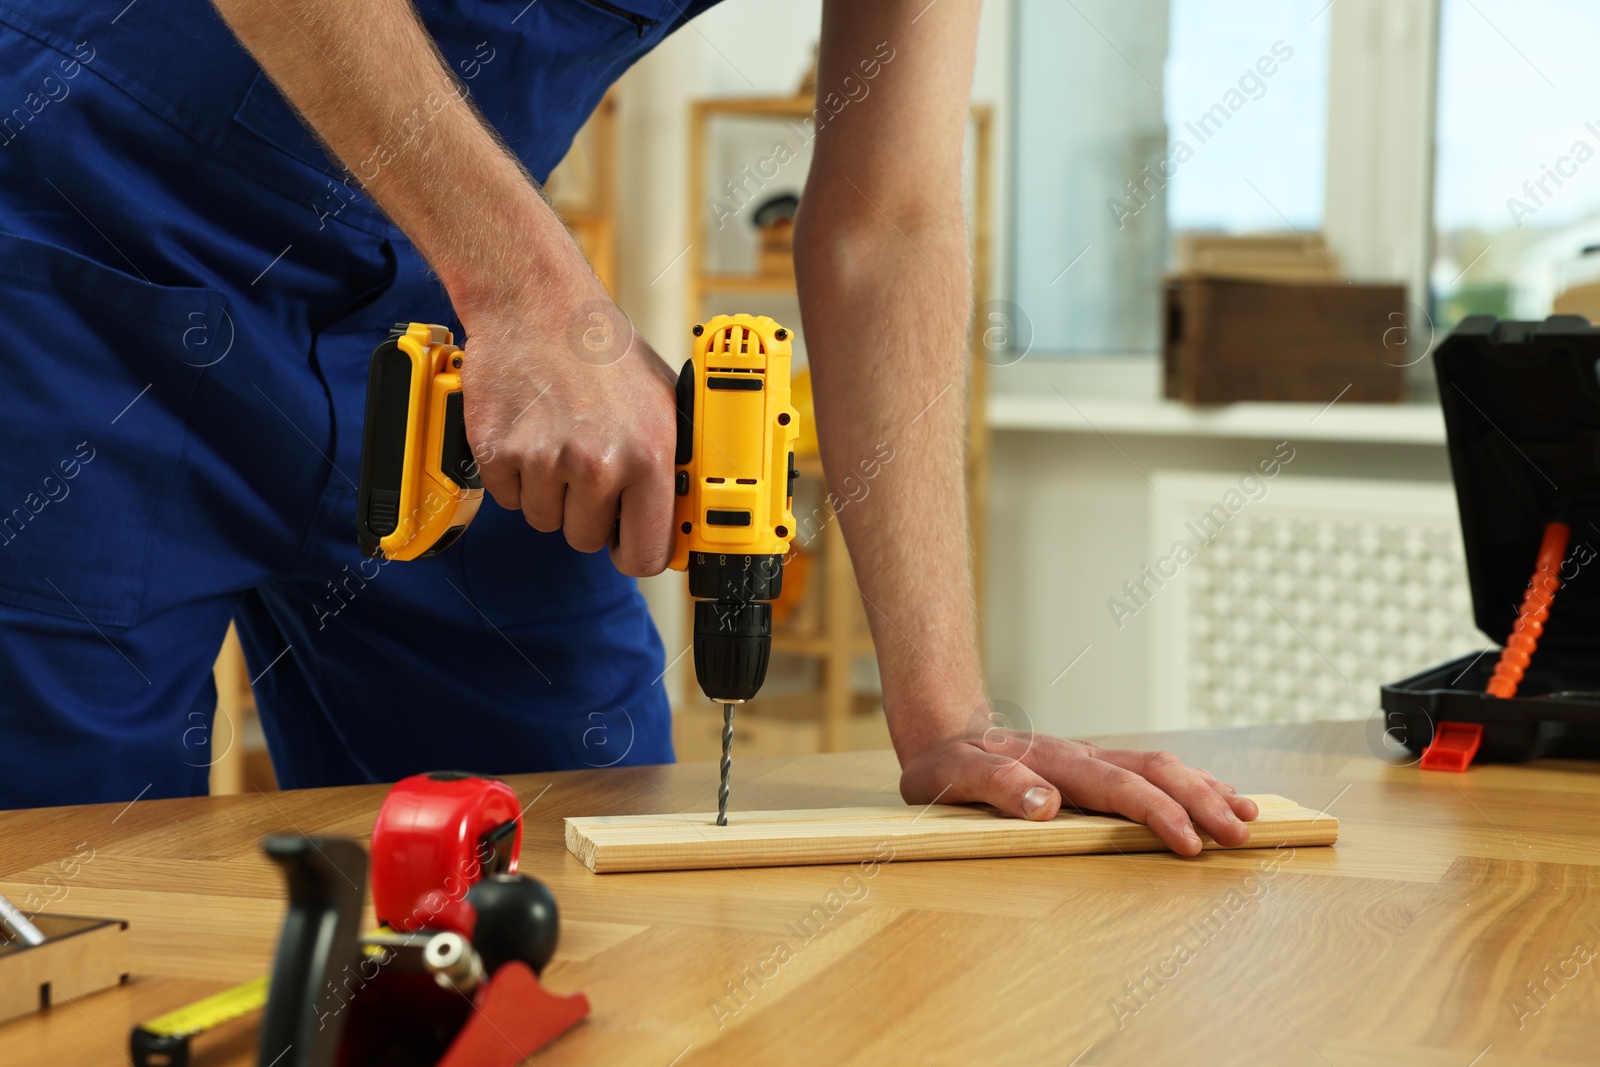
{"x":1064,"y":748}
{"x":583,"y":543}
{"x":653,"y":449}
{"x":533,"y":459}
{"x":656,"y":562}
{"x":641,"y":567}
{"x":1005,"y":776}
{"x":658,"y":464}
{"x":1122,"y":778}
{"x":541,"y":520}
{"x":594,"y":466}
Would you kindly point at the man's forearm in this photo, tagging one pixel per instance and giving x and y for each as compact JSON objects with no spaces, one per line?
{"x":596,"y":463}
{"x":888,"y":346}
{"x":882,"y":261}
{"x":368,"y":77}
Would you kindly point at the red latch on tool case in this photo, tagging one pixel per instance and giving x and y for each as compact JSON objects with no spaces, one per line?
{"x":1454,"y":744}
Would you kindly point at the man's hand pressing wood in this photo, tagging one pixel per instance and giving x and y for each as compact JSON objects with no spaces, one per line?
{"x":1034,"y":776}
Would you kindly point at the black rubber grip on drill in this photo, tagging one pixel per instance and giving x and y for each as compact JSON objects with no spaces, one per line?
{"x":685,"y":451}
{"x":383,"y":446}
{"x":732,"y":644}
{"x":455,"y":453}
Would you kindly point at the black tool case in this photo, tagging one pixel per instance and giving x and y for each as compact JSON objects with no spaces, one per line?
{"x":1522,"y":416}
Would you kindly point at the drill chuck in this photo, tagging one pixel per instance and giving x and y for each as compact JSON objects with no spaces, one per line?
{"x":732,"y":644}
{"x":733,"y":621}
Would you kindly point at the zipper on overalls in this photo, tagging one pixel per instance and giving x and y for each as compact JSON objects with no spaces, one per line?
{"x":640,"y":23}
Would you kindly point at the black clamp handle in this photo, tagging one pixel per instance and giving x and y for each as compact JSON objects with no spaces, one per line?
{"x":327,"y":883}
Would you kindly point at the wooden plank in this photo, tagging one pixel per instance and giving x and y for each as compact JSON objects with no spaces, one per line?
{"x":611,"y":844}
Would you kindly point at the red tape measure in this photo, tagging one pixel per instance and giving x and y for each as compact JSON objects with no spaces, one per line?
{"x":436,"y":836}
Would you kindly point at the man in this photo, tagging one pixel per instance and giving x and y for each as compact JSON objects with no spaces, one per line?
{"x":192,"y":292}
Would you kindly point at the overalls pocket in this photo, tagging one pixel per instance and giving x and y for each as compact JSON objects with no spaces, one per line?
{"x":100,"y":368}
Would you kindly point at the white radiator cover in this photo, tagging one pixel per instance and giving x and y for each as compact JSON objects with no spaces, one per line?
{"x":1306,"y":600}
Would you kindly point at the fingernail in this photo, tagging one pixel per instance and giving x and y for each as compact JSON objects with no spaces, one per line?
{"x":1191,"y":837}
{"x":1035,"y":799}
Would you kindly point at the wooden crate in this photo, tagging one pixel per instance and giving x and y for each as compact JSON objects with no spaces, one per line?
{"x":1279,"y":257}
{"x":1228,"y":340}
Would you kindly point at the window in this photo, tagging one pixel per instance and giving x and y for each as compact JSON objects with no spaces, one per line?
{"x":1138,"y":121}
{"x":1517,"y":164}
{"x":1246,"y":91}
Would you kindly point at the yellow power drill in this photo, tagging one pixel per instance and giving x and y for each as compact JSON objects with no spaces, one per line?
{"x":734,"y":483}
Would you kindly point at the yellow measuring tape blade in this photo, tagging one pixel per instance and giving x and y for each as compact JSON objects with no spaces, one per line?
{"x":213,"y":1011}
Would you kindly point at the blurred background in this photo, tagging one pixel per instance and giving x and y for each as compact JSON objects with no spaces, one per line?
{"x":1216,"y":241}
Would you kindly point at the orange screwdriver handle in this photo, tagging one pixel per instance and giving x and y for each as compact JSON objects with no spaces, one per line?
{"x":1533,"y":614}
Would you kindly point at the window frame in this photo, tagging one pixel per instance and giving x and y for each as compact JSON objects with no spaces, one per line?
{"x":1382,"y":106}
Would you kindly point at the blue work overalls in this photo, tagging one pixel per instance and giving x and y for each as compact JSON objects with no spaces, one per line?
{"x":190,"y":292}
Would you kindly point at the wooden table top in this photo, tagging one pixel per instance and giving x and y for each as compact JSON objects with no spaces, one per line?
{"x":1455,"y":923}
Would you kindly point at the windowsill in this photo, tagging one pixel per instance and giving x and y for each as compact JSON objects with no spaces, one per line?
{"x":1121,"y":395}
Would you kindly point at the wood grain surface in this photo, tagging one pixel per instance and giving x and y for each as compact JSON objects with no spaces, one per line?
{"x":616,"y":844}
{"x":1455,"y":924}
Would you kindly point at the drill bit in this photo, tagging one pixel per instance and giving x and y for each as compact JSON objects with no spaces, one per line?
{"x":727,"y":763}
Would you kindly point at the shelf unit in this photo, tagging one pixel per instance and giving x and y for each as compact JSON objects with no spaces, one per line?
{"x":834,"y":632}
